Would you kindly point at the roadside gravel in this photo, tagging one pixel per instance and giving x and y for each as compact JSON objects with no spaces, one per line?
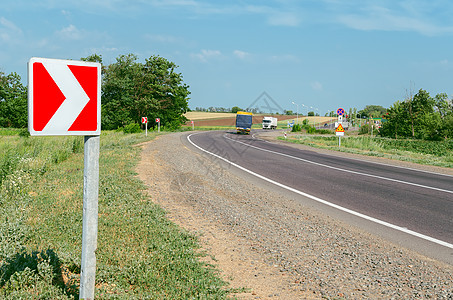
{"x":274,"y":246}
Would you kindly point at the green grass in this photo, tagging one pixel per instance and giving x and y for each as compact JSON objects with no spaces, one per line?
{"x":140,"y":253}
{"x":422,"y":152}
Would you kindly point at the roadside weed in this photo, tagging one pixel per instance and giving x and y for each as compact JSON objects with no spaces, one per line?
{"x":436,"y":153}
{"x":140,"y":253}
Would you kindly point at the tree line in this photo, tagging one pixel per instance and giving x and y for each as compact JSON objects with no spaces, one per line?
{"x":420,"y":117}
{"x":130,"y":90}
{"x":154,"y":89}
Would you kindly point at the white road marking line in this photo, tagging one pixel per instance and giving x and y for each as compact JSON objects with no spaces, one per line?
{"x":343,"y":170}
{"x":352,"y":212}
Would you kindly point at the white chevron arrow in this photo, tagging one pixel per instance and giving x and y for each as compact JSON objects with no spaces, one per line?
{"x":76,"y":98}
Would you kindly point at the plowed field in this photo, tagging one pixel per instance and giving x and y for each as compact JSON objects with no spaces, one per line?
{"x":258,"y":119}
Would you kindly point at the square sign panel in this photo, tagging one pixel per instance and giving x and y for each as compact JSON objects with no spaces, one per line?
{"x":64,"y":97}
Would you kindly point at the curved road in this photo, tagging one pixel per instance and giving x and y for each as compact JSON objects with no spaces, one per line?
{"x":410,"y":207}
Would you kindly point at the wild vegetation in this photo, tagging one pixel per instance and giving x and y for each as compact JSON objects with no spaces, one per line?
{"x":140,"y":253}
{"x":436,"y":153}
{"x":420,"y":117}
{"x":13,"y":101}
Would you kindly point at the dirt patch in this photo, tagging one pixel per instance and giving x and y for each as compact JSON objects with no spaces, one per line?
{"x":233,"y":255}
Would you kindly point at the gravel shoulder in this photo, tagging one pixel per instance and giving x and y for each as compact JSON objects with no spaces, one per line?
{"x":274,"y":246}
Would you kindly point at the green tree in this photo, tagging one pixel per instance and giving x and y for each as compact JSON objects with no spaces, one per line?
{"x":420,"y":117}
{"x":444,"y":108}
{"x":420,"y":107}
{"x":235,"y":109}
{"x":373,"y":111}
{"x":396,"y":123}
{"x":132,"y":90}
{"x":118,"y":92}
{"x":93,"y":58}
{"x":13,"y":101}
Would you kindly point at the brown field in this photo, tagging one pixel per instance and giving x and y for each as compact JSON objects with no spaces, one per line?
{"x":229,"y":119}
{"x":198,"y":115}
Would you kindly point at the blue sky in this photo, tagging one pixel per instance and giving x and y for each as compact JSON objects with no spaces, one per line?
{"x":322,"y":54}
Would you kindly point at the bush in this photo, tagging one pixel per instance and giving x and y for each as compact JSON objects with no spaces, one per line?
{"x":296,"y":128}
{"x":365,"y":129}
{"x":132,"y":128}
{"x":323,"y":131}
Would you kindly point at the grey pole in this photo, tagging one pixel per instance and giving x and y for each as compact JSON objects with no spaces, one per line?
{"x":90,"y":216}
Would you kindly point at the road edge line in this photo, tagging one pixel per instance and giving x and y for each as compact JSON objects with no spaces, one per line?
{"x":349,"y":211}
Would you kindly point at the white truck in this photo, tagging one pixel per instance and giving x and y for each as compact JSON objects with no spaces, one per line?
{"x":269,"y":123}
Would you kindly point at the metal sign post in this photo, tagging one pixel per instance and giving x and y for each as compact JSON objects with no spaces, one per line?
{"x":193,"y":125}
{"x":339,"y":132}
{"x":145,"y":121}
{"x":79,"y":113}
{"x":90,"y":216}
{"x":158,"y":124}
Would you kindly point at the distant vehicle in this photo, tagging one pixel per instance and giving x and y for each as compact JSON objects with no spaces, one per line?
{"x":269,"y":123}
{"x":243,"y":122}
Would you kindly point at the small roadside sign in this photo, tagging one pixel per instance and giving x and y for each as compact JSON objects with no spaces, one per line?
{"x":145,"y":121}
{"x":340,"y":111}
{"x":340,"y":130}
{"x":158,"y":124}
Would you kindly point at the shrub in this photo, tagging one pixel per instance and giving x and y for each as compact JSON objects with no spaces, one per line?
{"x":323,"y":131}
{"x":296,"y":128}
{"x":24,"y":132}
{"x":132,"y":128}
{"x":365,"y":129}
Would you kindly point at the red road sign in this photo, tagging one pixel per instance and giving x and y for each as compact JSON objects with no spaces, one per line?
{"x":64,"y":97}
{"x":144,"y":120}
{"x":157,"y":120}
{"x":340,"y":111}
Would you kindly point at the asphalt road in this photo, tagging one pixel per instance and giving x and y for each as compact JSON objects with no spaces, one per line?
{"x":410,"y":207}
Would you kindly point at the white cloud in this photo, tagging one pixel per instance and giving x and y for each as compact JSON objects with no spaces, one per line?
{"x":10,"y":25}
{"x":70,"y":33}
{"x":206,"y":55}
{"x":385,"y":19}
{"x":241,"y":54}
{"x":8,"y":31}
{"x":284,"y":19}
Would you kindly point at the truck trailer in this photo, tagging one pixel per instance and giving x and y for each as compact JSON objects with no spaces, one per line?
{"x":243,"y":122}
{"x":269,"y":123}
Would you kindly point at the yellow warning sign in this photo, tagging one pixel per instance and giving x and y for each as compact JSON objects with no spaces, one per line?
{"x":339,"y":128}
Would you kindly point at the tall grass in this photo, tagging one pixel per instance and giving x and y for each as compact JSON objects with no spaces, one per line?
{"x":140,"y":253}
{"x":424,"y":152}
